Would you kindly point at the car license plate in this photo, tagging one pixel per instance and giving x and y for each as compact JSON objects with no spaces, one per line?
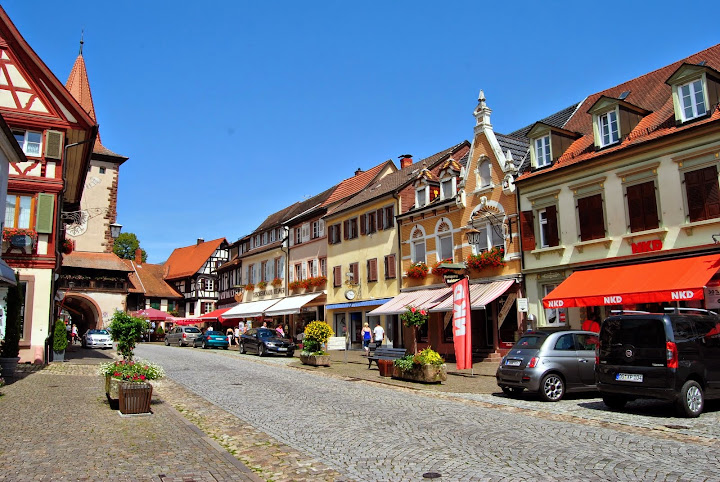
{"x":512,"y":363}
{"x":282,"y":349}
{"x":629,"y":377}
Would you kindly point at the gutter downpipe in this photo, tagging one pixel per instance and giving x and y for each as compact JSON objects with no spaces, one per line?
{"x":398,"y":270}
{"x":58,"y":256}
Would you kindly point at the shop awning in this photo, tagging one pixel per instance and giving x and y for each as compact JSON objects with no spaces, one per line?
{"x":214,"y":315}
{"x":186,"y":321}
{"x":152,"y":314}
{"x":7,"y":275}
{"x":291,"y":304}
{"x":423,"y":299}
{"x":481,"y":295}
{"x":250,"y":309}
{"x":355,"y":304}
{"x":662,"y":281}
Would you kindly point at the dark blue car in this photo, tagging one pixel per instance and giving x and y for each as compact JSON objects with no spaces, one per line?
{"x":216,"y":339}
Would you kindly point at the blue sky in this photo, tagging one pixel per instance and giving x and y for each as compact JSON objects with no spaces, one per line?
{"x":232,"y":110}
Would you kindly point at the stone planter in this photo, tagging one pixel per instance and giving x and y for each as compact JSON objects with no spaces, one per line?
{"x":58,"y":356}
{"x":385,"y":367}
{"x":422,"y":373}
{"x":315,"y":360}
{"x":8,"y":366}
{"x":135,"y":397}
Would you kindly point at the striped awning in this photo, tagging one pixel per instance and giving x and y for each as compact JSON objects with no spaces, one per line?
{"x":291,"y":304}
{"x":355,"y":304}
{"x":250,"y":309}
{"x":480,"y":295}
{"x":423,"y":299}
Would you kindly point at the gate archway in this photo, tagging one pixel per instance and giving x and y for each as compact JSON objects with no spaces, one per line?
{"x":84,"y":312}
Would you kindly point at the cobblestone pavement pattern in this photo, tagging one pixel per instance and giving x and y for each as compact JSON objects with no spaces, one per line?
{"x":367,"y":431}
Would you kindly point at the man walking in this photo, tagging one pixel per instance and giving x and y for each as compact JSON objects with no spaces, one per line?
{"x":379,"y":335}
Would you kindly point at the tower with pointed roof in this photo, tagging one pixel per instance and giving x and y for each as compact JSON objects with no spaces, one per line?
{"x":90,"y":226}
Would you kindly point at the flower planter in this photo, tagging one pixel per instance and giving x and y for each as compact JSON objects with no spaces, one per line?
{"x":315,"y":360}
{"x":135,"y":397}
{"x":422,"y":373}
{"x":385,"y":367}
{"x":58,"y":356}
{"x":8,"y":366}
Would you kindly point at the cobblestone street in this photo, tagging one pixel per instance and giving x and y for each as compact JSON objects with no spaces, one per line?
{"x":369,"y":431}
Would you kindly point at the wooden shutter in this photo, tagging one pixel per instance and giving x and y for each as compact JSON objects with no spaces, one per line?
{"x":527,"y":230}
{"x":390,"y":216}
{"x":44,"y":215}
{"x":635,"y":208}
{"x":337,"y":276}
{"x":379,"y":219}
{"x":372,"y":269}
{"x":390,"y":271}
{"x":708,"y":178}
{"x":590,"y":215}
{"x":552,"y":227}
{"x":321,"y":228}
{"x":355,"y":271}
{"x":53,"y":144}
{"x":363,"y":224}
{"x":346,"y":228}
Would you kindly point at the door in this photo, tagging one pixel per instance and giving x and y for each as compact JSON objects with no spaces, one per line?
{"x":585,"y":348}
{"x":564,"y":358}
{"x":356,"y":319}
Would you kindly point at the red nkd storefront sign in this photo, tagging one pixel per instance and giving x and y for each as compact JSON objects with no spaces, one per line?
{"x":646,"y":246}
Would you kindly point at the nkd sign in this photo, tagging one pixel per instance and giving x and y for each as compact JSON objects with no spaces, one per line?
{"x":646,"y":246}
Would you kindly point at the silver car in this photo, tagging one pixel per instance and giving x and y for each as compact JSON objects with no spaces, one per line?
{"x":182,"y":335}
{"x":549,"y":363}
{"x":97,"y":339}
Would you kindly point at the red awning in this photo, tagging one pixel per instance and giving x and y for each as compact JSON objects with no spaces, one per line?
{"x":152,"y":314}
{"x":214,"y":315}
{"x":187,"y":321}
{"x":662,"y":281}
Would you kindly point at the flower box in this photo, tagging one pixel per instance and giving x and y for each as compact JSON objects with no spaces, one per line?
{"x":385,"y":367}
{"x":418,"y":270}
{"x":315,"y":360}
{"x":422,"y":373}
{"x":135,"y":397}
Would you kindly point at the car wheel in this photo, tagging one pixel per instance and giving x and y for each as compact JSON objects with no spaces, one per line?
{"x":511,"y":391}
{"x":242,"y":348}
{"x":615,"y":401}
{"x":552,"y":388}
{"x":690,"y":402}
{"x":180,"y":343}
{"x":261,"y":350}
{"x":204,"y":345}
{"x":290,"y":354}
{"x":225,"y":347}
{"x":167,"y":343}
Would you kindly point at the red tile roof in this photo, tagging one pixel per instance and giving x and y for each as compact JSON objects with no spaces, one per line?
{"x":148,"y":279}
{"x":187,"y":261}
{"x":82,"y":259}
{"x":355,"y":184}
{"x":650,"y":92}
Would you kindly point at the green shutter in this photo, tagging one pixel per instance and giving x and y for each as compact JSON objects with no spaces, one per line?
{"x":44,"y":218}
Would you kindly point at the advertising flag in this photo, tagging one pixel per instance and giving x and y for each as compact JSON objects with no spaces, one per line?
{"x":461,"y":324}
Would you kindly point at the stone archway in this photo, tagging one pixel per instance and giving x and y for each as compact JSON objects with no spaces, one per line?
{"x":84,"y":312}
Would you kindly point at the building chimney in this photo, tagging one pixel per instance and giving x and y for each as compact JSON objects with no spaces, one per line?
{"x":200,"y":241}
{"x":405,"y":160}
{"x":359,"y":171}
{"x":138,"y":256}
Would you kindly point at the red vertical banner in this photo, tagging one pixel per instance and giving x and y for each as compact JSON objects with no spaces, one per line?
{"x":461,"y":324}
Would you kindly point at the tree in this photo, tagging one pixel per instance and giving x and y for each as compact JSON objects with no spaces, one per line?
{"x":125,"y":246}
{"x":126,"y":330}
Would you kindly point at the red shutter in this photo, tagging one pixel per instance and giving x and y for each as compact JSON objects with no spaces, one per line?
{"x":346,"y":228}
{"x":372,"y":269}
{"x":379,"y":220}
{"x":590,"y":215}
{"x":354,"y":270}
{"x":363,"y":224}
{"x":635,"y":208}
{"x":552,"y":227}
{"x":710,"y":192}
{"x":390,"y":266}
{"x":649,"y":202}
{"x":390,"y":215}
{"x":337,"y":276}
{"x":527,"y":230}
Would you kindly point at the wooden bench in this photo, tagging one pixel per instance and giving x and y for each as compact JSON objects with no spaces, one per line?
{"x":385,"y":353}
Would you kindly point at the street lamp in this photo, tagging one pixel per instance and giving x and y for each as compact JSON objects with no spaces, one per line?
{"x":473,"y":236}
{"x":115,"y":229}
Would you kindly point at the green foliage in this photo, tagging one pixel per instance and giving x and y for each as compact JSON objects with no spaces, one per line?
{"x":13,"y":304}
{"x":318,"y":331}
{"x":126,"y":330}
{"x":404,"y":363}
{"x":132,"y":371}
{"x":60,"y":341}
{"x":159,"y":330}
{"x":125,"y":246}
{"x":426,"y":357}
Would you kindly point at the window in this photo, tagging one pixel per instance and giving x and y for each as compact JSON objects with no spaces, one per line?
{"x":552,"y":315}
{"x":18,"y":211}
{"x":278,"y":267}
{"x":547,"y":220}
{"x":355,"y":273}
{"x":390,"y":267}
{"x":447,"y":190}
{"x":251,"y":274}
{"x":263,"y":271}
{"x":692,"y":100}
{"x":315,"y":233}
{"x":421,"y":197}
{"x":312,"y":268}
{"x":372,"y":270}
{"x":542,"y":151}
{"x":323,"y":266}
{"x":334,"y":234}
{"x":565,"y":343}
{"x":608,"y":124}
{"x":206,"y":307}
{"x":102,"y":170}
{"x":265,"y":238}
{"x":209,"y":285}
{"x":30,"y":142}
{"x":298,"y":235}
{"x":591,"y":217}
{"x":418,"y":251}
{"x":191,"y":311}
{"x":489,"y":236}
{"x":298,"y":272}
{"x":351,"y":228}
{"x":371,"y":222}
{"x":388,"y":217}
{"x":445,"y":247}
{"x":484,"y":172}
{"x":642,"y":207}
{"x":337,"y":276}
{"x":703,"y":196}
{"x":272,"y":235}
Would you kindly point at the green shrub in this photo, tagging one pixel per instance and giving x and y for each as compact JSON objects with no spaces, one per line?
{"x":426,"y":357}
{"x":60,"y":341}
{"x":126,"y":330}
{"x":159,"y":330}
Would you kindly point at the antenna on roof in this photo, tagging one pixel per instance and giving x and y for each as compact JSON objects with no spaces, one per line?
{"x":82,"y":34}
{"x":624,"y":94}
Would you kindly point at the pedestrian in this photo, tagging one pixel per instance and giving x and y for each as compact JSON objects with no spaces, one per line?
{"x":591,"y":324}
{"x":366,"y":335}
{"x":230,"y":336}
{"x":280,"y":331}
{"x":379,"y":335}
{"x":74,"y":333}
{"x":264,"y":324}
{"x":237,"y":335}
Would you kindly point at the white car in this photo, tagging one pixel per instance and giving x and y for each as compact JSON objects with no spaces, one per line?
{"x":97,"y":339}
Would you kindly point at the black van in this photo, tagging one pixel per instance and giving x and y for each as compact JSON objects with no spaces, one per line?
{"x":670,"y":356}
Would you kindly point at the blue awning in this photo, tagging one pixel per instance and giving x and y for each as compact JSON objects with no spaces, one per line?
{"x":355,"y":304}
{"x":7,"y":275}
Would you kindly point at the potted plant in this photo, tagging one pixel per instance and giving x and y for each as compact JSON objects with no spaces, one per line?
{"x":317,"y":281}
{"x":68,"y":246}
{"x":249,"y":287}
{"x":126,"y":331}
{"x":414,"y":317}
{"x":315,"y":336}
{"x":60,"y":341}
{"x":418,"y":270}
{"x":294,"y":285}
{"x":438,"y":271}
{"x":427,"y":366}
{"x":276,"y":282}
{"x":262,"y":285}
{"x":127,"y":384}
{"x":491,"y":258}
{"x":10,"y":346}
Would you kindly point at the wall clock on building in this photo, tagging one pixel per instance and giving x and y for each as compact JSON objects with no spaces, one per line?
{"x":350,"y":294}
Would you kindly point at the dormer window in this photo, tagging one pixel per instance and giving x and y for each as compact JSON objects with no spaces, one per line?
{"x":421,"y":197}
{"x":692,"y":100}
{"x":608,"y":125}
{"x":542,"y":151}
{"x":447,"y":188}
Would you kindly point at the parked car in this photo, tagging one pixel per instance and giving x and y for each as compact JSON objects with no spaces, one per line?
{"x":265,"y":340}
{"x":216,"y":339}
{"x":549,"y":363}
{"x":182,"y":335}
{"x":97,"y":339}
{"x":672,"y":356}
